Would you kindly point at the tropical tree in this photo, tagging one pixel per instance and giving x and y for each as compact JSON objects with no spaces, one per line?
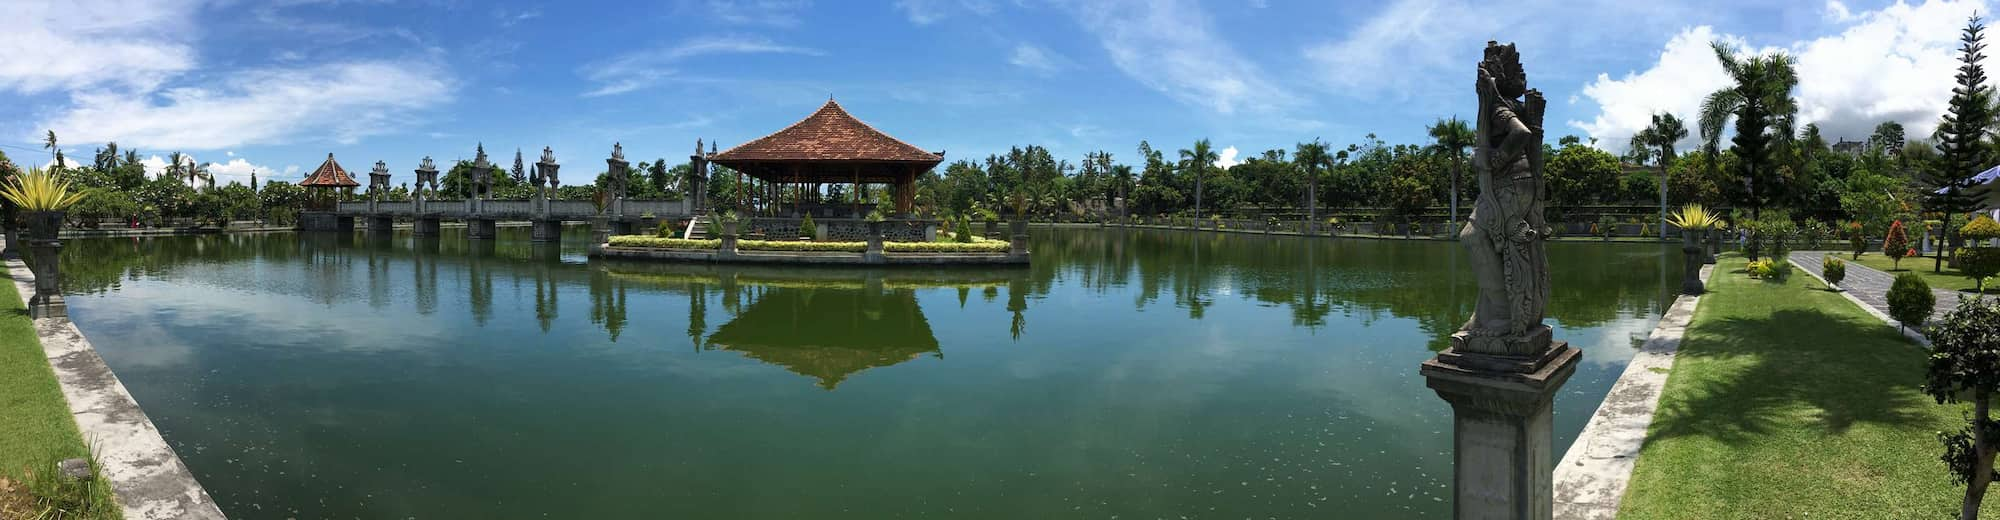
{"x":1452,"y":136}
{"x":1197,"y":161}
{"x":1965,"y":366}
{"x":1310,"y":158}
{"x":50,"y":145}
{"x":1888,"y":137}
{"x":1761,"y":105}
{"x":1948,"y":189}
{"x":1660,"y":137}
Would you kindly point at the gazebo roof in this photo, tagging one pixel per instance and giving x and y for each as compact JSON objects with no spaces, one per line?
{"x":330,"y":175}
{"x":828,"y":135}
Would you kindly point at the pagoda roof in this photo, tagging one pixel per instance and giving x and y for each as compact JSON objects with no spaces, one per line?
{"x":828,"y":135}
{"x":329,"y":174}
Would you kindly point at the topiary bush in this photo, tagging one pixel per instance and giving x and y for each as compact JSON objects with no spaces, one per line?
{"x":1834,"y":269}
{"x":808,"y":230}
{"x":1965,"y":366}
{"x":1857,"y":238}
{"x":1910,"y":300}
{"x":1769,"y":269}
{"x":963,"y":234}
{"x":1977,"y":260}
{"x":665,"y":229}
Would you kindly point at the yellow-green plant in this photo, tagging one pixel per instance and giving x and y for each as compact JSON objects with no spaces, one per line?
{"x":1696,"y":218}
{"x":40,"y":190}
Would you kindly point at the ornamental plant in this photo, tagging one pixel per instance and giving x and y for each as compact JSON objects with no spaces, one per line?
{"x":1606,"y":226}
{"x":1977,"y":260}
{"x":40,"y":190}
{"x":1965,"y":366}
{"x":963,"y":234}
{"x":1896,"y":244}
{"x":1834,"y":269}
{"x":1910,"y":300}
{"x":807,"y":229}
{"x":1857,"y":238}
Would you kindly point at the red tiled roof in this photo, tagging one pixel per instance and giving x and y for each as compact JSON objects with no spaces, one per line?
{"x":329,"y":174}
{"x":829,"y":134}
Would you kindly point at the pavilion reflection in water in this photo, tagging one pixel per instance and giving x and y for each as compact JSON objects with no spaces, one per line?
{"x":829,"y":334}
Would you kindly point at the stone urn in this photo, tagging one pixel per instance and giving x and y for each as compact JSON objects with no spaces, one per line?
{"x":992,"y":228}
{"x":1692,"y":245}
{"x":1714,"y":245}
{"x":45,"y":249}
{"x":874,"y":252}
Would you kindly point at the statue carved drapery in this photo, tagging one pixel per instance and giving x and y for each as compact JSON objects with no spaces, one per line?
{"x":1506,"y":233}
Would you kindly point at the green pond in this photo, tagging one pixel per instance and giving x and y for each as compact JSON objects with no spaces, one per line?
{"x":1125,"y":374}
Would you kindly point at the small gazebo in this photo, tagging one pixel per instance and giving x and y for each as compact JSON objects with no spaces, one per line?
{"x":830,"y":147}
{"x":324,"y":184}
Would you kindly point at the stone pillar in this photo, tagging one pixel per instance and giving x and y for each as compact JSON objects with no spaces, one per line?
{"x":1504,"y":461}
{"x":600,"y":232}
{"x":477,"y":228}
{"x":425,"y":226}
{"x":47,"y":301}
{"x":1695,"y":251}
{"x":930,"y":231}
{"x":546,"y":230}
{"x":344,"y":223}
{"x":381,"y":225}
{"x":873,"y":254}
{"x":1019,"y":240}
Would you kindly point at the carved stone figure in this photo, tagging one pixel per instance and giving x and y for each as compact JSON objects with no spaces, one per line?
{"x":1506,"y":232}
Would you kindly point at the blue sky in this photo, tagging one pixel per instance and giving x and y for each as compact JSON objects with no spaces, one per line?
{"x":276,"y":85}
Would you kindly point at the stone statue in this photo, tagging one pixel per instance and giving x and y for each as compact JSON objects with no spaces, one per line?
{"x":618,"y":151}
{"x":1506,"y":232}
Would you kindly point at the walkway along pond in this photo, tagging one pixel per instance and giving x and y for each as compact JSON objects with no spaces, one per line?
{"x":1135,"y":373}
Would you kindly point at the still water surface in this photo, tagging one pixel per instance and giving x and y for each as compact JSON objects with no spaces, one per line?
{"x":1132,"y":374}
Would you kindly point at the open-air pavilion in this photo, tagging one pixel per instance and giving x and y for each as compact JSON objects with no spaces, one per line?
{"x":829,"y":148}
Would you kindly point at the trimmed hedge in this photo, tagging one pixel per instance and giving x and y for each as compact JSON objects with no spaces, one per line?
{"x":663,"y":243}
{"x":787,"y":245}
{"x":984,"y":246}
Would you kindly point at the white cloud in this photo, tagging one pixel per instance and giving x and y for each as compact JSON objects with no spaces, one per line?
{"x":641,"y":69}
{"x":926,"y":12}
{"x":1894,"y":64}
{"x":1227,"y":159}
{"x":346,"y":101}
{"x":1169,"y":46}
{"x":511,"y":18}
{"x":779,"y":13}
{"x":64,"y":44}
{"x":1036,"y":59}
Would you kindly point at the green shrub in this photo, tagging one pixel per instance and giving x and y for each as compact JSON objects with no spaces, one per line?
{"x":1979,"y":263}
{"x":1910,"y":299}
{"x":983,"y":246}
{"x":1606,"y":226}
{"x":713,"y":227}
{"x":790,"y":245}
{"x":1769,"y":269}
{"x":1896,"y":244}
{"x":807,"y":229}
{"x":665,"y":229}
{"x":1834,"y":268}
{"x":963,"y":234}
{"x":1857,"y":238}
{"x":663,"y":243}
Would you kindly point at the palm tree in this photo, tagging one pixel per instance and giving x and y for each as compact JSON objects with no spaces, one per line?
{"x":1452,"y":136}
{"x":1310,"y":158}
{"x":1763,"y":109}
{"x":1198,"y":161}
{"x":1122,"y":175}
{"x":50,"y":145}
{"x":197,"y":172}
{"x":1661,"y":135}
{"x":174,"y":165}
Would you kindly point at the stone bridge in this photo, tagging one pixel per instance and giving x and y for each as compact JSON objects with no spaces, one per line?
{"x":480,"y":216}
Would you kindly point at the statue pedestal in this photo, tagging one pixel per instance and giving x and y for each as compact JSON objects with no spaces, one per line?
{"x":381,"y":224}
{"x":546,"y":230}
{"x":1503,"y":460}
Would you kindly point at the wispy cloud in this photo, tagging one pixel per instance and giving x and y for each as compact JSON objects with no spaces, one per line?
{"x":510,"y":18}
{"x":346,"y":101}
{"x":1169,"y":46}
{"x":926,"y":12}
{"x":1036,"y":59}
{"x":66,"y":44}
{"x":642,"y":69}
{"x":778,"y":13}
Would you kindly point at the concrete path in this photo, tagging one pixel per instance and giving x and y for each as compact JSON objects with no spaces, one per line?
{"x":1590,"y":480}
{"x":1868,"y":285}
{"x":147,"y":478}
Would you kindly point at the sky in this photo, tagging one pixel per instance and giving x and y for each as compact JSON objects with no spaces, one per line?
{"x":273,"y":86}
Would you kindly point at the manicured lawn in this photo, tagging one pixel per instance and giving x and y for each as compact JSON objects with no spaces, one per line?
{"x":1948,"y":279}
{"x":36,"y":430}
{"x":1788,"y":401}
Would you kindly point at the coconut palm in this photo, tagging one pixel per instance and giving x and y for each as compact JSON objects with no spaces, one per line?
{"x":1452,"y":136}
{"x":1660,"y":137}
{"x":1311,"y":158}
{"x":1761,"y":105}
{"x":1198,"y":160}
{"x":50,"y":145}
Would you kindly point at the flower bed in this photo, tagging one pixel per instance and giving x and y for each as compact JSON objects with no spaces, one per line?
{"x":978,"y":245}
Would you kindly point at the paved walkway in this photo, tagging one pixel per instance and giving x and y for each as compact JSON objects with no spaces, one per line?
{"x":1869,"y":285}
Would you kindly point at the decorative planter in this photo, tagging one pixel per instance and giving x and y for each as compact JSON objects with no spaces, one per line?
{"x":43,"y":229}
{"x":1019,"y":241}
{"x":1691,"y":245}
{"x":1714,"y":245}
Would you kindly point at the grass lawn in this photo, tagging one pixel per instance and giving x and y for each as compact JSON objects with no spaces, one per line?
{"x":1788,"y":401}
{"x":1948,"y":279}
{"x":36,"y":430}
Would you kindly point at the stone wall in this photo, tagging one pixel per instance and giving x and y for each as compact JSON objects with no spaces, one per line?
{"x":840,"y":230}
